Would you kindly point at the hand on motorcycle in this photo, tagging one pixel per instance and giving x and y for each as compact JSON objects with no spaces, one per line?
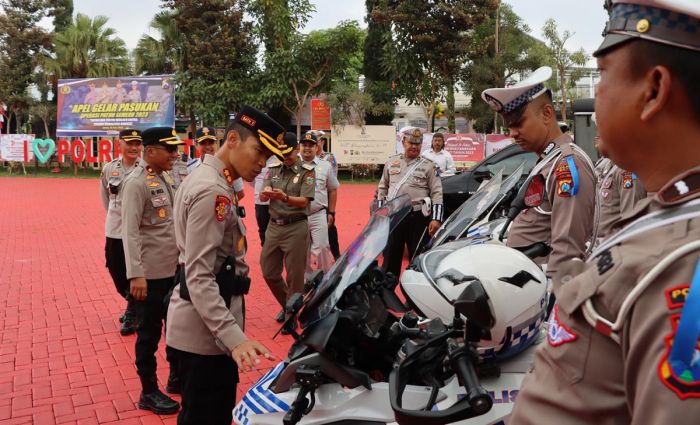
{"x":433,"y":227}
{"x":246,"y":354}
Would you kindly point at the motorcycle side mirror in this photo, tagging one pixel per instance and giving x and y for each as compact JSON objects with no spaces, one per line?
{"x":473,"y":303}
{"x":530,"y":195}
{"x":482,"y":175}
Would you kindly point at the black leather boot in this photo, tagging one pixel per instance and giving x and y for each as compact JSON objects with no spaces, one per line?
{"x":154,"y":400}
{"x":128,"y":320}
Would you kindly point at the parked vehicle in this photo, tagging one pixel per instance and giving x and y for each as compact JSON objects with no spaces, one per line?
{"x":458,"y":188}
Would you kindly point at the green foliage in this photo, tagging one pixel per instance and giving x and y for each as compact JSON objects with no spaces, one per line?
{"x":217,"y":62}
{"x":377,"y":80}
{"x":88,"y":48}
{"x":430,"y":43}
{"x":567,"y":64}
{"x":162,"y":55}
{"x":312,"y":64}
{"x":62,"y":12}
{"x":279,"y":20}
{"x":22,"y":41}
{"x":518,"y":53}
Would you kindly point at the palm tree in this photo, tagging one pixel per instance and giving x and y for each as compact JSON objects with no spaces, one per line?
{"x":162,"y":55}
{"x":87,"y":48}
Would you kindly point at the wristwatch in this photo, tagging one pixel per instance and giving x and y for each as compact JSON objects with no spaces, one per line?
{"x":331,"y":213}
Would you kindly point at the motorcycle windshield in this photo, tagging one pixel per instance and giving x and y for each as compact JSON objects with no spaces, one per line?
{"x":469,"y":211}
{"x":355,"y":260}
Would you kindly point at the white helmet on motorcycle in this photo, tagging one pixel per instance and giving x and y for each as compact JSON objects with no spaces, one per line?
{"x":516,"y":288}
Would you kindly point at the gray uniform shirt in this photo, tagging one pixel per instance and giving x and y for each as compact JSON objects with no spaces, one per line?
{"x":114,"y":173}
{"x":421,"y":183}
{"x":207,"y":231}
{"x":147,"y":224}
{"x":325,"y":181}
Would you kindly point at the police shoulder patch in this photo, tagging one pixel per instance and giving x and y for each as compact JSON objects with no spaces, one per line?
{"x":686,"y":383}
{"x":222,"y":207}
{"x":310,"y":178}
{"x":558,"y":333}
{"x":628,"y":179}
{"x":564,"y":180}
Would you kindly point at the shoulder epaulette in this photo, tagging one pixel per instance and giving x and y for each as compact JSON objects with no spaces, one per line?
{"x":308,"y":166}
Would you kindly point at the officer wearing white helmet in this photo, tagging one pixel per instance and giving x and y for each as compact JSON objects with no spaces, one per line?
{"x":565,"y":218}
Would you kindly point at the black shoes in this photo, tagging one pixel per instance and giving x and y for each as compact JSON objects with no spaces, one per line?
{"x":289,"y":327}
{"x":158,"y":403}
{"x":128,"y":325}
{"x":280,"y":317}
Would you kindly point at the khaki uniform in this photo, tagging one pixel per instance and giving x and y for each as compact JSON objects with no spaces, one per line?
{"x":207,"y":230}
{"x":179,"y":172}
{"x":319,"y":247}
{"x":147,"y":224}
{"x":618,"y":192}
{"x":588,"y":372}
{"x":416,"y":177}
{"x":287,"y":236}
{"x":565,"y":219}
{"x":113,"y":175}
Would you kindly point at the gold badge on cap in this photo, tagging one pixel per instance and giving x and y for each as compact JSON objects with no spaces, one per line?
{"x":174,"y":133}
{"x":133,"y":133}
{"x":205,"y":130}
{"x":643,"y":26}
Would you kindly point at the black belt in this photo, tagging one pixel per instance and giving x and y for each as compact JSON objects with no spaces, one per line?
{"x":227,"y":280}
{"x":281,"y":221}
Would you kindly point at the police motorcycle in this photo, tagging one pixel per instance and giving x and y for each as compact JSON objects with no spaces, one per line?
{"x":362,"y":358}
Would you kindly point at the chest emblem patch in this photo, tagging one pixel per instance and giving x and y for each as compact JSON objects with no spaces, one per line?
{"x":559,"y":333}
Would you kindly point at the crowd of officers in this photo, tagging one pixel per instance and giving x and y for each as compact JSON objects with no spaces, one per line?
{"x":622,"y":344}
{"x":175,"y":248}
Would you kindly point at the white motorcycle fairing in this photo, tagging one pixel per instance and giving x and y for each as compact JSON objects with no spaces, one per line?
{"x":334,"y":403}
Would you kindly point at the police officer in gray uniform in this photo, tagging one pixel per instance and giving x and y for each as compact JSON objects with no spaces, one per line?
{"x":416,"y":176}
{"x":111,"y":181}
{"x":151,"y":257}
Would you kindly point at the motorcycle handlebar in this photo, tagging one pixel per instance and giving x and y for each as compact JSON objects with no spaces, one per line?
{"x":476,"y":403}
{"x":478,"y":398}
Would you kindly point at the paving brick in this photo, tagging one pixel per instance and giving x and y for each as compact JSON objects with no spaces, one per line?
{"x":62,"y":359}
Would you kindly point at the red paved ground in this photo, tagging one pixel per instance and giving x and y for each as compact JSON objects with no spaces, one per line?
{"x":62,"y":359}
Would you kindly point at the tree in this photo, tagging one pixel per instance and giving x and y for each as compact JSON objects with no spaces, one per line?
{"x":311,"y":65}
{"x":516,"y":54}
{"x":276,"y":23}
{"x":165,"y":54}
{"x":88,"y":48}
{"x":62,"y":12}
{"x":377,"y":81}
{"x":215,"y":76}
{"x":22,"y":41}
{"x":564,"y":62}
{"x":431,"y":42}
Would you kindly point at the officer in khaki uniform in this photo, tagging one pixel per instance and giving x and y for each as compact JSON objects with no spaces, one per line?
{"x":206,"y":315}
{"x":411,"y":174}
{"x":112,"y":178}
{"x":618,"y":191}
{"x":565,"y":218}
{"x":206,"y":143}
{"x":290,"y":186}
{"x":623,"y":343}
{"x":151,"y":257}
